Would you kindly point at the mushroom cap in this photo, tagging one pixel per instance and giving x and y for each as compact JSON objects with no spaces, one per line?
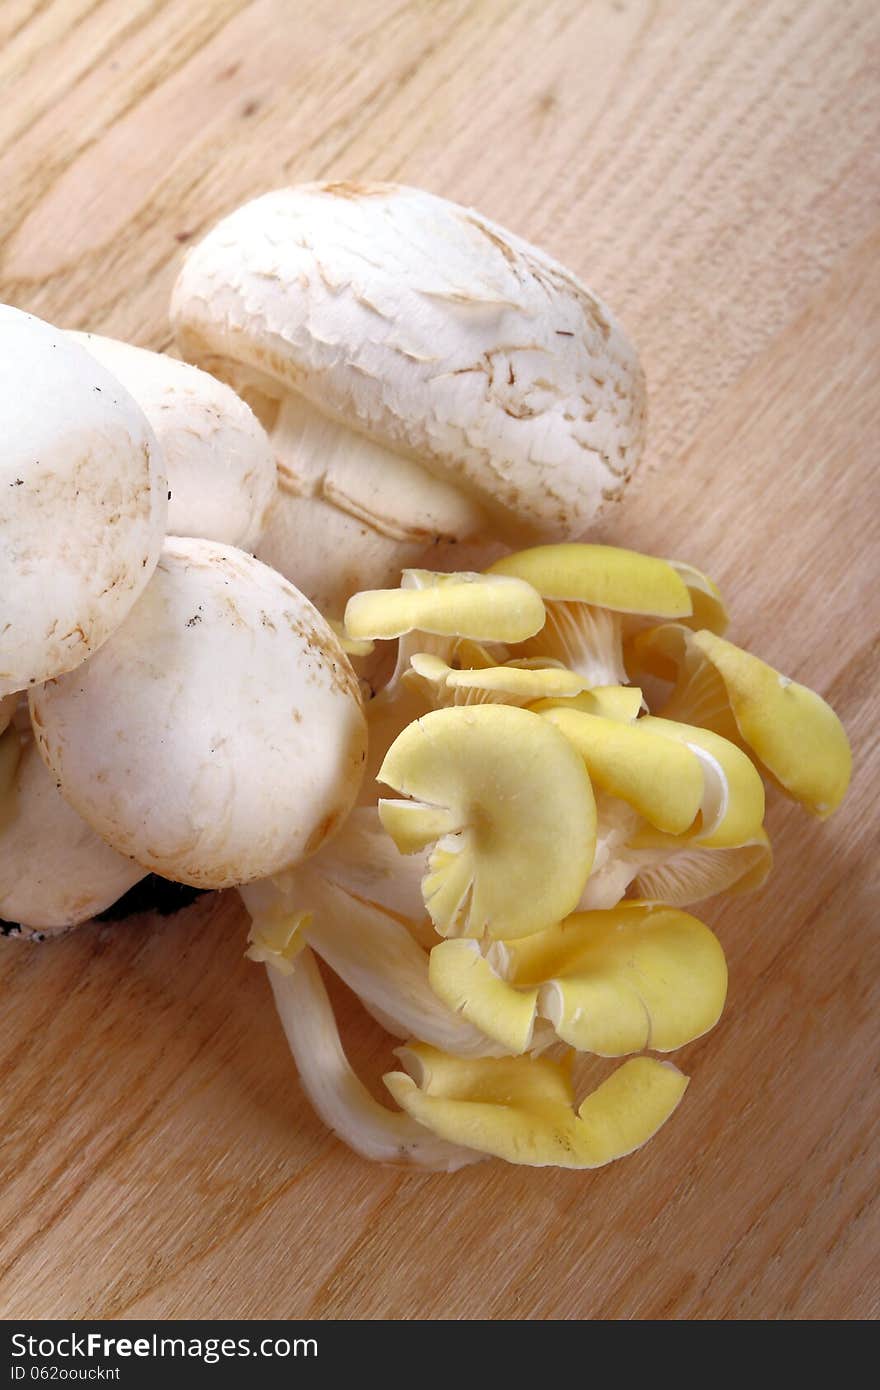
{"x":523,"y":1109}
{"x":220,"y":466}
{"x":604,"y":576}
{"x":633,"y":977}
{"x":433,"y":332}
{"x":219,"y":736}
{"x":510,"y":812}
{"x":84,"y":502}
{"x":54,"y":870}
{"x":508,"y":684}
{"x":660,"y":778}
{"x":485,"y":607}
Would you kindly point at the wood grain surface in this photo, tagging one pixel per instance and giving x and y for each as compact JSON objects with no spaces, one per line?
{"x":712,"y":168}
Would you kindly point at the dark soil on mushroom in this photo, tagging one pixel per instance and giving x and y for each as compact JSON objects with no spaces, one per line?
{"x":152,"y":894}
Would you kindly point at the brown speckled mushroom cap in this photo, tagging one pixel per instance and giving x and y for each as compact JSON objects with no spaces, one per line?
{"x":219,"y":463}
{"x":55,"y":872}
{"x":218,"y":736}
{"x":83,"y":502}
{"x":437,"y":336}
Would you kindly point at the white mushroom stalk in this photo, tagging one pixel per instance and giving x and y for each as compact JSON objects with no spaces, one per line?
{"x":526,"y":850}
{"x":423,"y":373}
{"x":364,"y":861}
{"x":375,"y":954}
{"x":339,"y":1097}
{"x":218,"y":460}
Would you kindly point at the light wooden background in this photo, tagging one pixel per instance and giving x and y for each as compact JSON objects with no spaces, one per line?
{"x":712,"y":168}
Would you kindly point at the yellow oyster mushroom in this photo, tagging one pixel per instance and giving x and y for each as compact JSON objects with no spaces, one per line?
{"x":514,"y":683}
{"x":352,"y":646}
{"x":507,"y":803}
{"x":707,"y":605}
{"x":637,"y":976}
{"x":441,"y":614}
{"x":623,"y":702}
{"x":603,"y":576}
{"x":732,"y":807}
{"x":278,"y":930}
{"x":405,"y":685}
{"x":792,"y":732}
{"x":522,"y":1109}
{"x":487,"y":608}
{"x":592,"y":592}
{"x":699,"y":698}
{"x":634,"y":977}
{"x":464,"y":979}
{"x":460,"y":653}
{"x":660,"y":778}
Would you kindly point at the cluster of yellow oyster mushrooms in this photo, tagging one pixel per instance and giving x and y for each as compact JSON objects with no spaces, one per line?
{"x":518,"y":898}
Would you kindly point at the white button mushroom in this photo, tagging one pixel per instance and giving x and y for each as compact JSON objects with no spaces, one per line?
{"x":220,"y":465}
{"x":423,"y":372}
{"x":218,"y":737}
{"x":55,"y":872}
{"x":83,"y":502}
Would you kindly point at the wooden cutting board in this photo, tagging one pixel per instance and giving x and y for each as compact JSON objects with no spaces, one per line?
{"x":713,"y":170}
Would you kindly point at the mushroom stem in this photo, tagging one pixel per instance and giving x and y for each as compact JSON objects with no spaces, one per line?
{"x":607,"y":886}
{"x":10,"y":756}
{"x":365,"y":863}
{"x":339,"y":1097}
{"x":8,"y":706}
{"x":379,"y":959}
{"x":350,"y":514}
{"x":584,"y":639}
{"x":373,"y":952}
